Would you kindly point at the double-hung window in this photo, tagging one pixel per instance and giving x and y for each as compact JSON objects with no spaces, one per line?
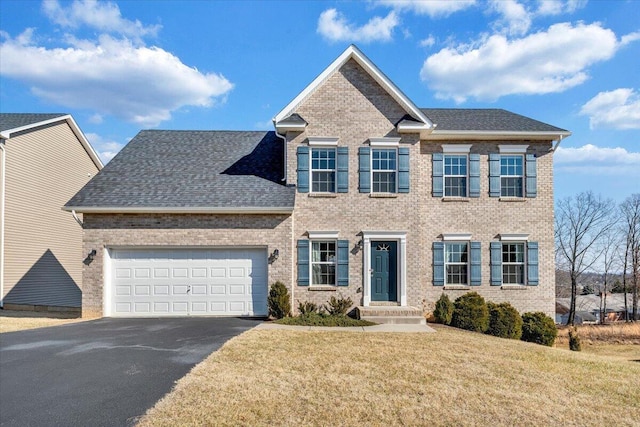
{"x":323,"y":170}
{"x":384,"y":169}
{"x":456,"y":263}
{"x":513,"y":266}
{"x":512,"y":175}
{"x":323,"y":262}
{"x":455,"y":175}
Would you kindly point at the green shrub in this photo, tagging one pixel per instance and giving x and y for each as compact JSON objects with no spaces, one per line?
{"x":444,"y":310}
{"x":323,"y":319}
{"x":539,"y":328}
{"x":307,"y":307}
{"x":279,"y":301}
{"x":574,"y":340}
{"x":504,"y":321}
{"x":470,"y":312}
{"x":338,"y":306}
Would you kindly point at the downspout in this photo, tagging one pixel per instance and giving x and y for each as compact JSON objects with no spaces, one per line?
{"x":284,"y":179}
{"x":2,"y":190}
{"x":75,"y":216}
{"x":284,"y":144}
{"x":553,"y":149}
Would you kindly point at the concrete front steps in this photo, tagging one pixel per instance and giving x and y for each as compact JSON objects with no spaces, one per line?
{"x":391,"y":314}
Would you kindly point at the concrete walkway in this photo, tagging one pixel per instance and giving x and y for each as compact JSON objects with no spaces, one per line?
{"x":377,"y":328}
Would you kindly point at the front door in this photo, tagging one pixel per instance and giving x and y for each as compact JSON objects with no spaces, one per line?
{"x":384,"y":270}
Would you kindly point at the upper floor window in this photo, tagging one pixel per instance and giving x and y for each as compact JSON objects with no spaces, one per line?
{"x":513,"y":266}
{"x":384,"y":166}
{"x":456,"y":263}
{"x":323,"y":170}
{"x":512,"y":175}
{"x":455,"y":175}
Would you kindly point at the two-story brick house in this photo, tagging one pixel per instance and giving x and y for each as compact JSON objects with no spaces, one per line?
{"x":358,"y":193}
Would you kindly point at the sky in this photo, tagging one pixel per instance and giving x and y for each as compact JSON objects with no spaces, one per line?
{"x":122,"y":66}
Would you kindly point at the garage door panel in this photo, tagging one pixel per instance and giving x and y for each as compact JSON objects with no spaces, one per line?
{"x":178,"y":282}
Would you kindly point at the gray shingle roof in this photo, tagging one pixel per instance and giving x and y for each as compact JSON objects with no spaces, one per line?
{"x":192,"y":169}
{"x":16,"y":120}
{"x":489,"y":119}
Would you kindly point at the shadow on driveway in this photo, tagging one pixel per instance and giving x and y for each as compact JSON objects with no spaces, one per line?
{"x":105,"y":372}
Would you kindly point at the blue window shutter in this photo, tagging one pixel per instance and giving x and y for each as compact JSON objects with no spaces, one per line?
{"x":403,"y":170}
{"x":343,"y":169}
{"x":303,"y":169}
{"x":303,"y":263}
{"x":532,"y":263}
{"x":532,"y":175}
{"x":496,"y":263}
{"x":438,"y":171}
{"x":494,"y":175}
{"x":438,"y":264}
{"x":343,"y":263}
{"x":476,"y":258}
{"x":474,"y":175}
{"x":364,"y":159}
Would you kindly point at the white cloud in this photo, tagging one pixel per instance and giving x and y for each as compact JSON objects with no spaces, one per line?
{"x":593,"y":160}
{"x":103,"y":16}
{"x":106,"y":148}
{"x":545,"y":62}
{"x":112,"y":76}
{"x":516,"y":20}
{"x":432,"y":8}
{"x":628,"y":38}
{"x":616,"y":109}
{"x":557,"y":7}
{"x":335,"y":27}
{"x":428,"y":42}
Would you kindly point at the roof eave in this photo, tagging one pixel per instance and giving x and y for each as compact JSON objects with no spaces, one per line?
{"x":252,"y":210}
{"x":440,"y":135}
{"x":282,"y":128}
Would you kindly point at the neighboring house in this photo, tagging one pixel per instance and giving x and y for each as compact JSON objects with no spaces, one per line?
{"x":357,"y":193}
{"x":45,"y":159}
{"x":588,"y":308}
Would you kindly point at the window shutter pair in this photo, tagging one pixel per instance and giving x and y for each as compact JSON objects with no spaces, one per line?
{"x":437,"y":172}
{"x":364,"y":169}
{"x":342,"y":272}
{"x":475,"y":278}
{"x":530,"y":170}
{"x":342,"y":169}
{"x":532,"y":263}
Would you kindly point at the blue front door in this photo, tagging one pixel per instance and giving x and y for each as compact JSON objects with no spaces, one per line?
{"x":384,"y":269}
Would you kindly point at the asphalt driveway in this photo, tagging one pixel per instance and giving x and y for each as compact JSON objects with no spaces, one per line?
{"x":105,"y":372}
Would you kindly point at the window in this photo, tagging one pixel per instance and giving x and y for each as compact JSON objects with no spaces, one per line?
{"x":455,"y":176}
{"x":456,"y":258}
{"x":384,"y":169}
{"x":513,"y":263}
{"x":323,"y":263}
{"x":511,"y":175}
{"x":323,"y":170}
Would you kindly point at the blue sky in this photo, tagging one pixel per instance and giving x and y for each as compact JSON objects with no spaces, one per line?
{"x":119,"y":67}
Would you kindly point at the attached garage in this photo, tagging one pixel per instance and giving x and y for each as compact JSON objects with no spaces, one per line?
{"x":187,"y":282}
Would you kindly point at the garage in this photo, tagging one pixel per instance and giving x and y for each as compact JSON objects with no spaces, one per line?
{"x":187,"y":282}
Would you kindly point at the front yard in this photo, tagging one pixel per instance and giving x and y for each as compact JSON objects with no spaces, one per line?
{"x":453,"y":377}
{"x":11,"y":321}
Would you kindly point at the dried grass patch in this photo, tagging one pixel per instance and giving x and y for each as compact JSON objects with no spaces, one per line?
{"x":276,"y":377}
{"x":11,"y":321}
{"x":610,"y":333}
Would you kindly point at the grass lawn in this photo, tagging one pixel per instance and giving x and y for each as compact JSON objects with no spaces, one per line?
{"x":452,"y":377}
{"x":11,"y":321}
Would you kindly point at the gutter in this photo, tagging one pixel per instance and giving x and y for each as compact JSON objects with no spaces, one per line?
{"x":250,"y":210}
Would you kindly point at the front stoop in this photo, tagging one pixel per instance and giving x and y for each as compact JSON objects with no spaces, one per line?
{"x":387,"y":314}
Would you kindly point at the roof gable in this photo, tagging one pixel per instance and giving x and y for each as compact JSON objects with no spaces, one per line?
{"x":352,"y":52}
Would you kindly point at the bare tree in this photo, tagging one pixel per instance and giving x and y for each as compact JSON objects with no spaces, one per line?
{"x":630,"y":211}
{"x":610,"y":245}
{"x":581,"y":222}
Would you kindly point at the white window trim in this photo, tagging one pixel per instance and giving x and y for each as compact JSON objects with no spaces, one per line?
{"x":384,"y":142}
{"x":456,"y":148}
{"x":383,"y":170}
{"x":514,"y":237}
{"x":513,"y":149}
{"x":323,"y":141}
{"x":311,"y":262}
{"x":311,"y":170}
{"x":523,"y":176}
{"x":319,"y":235}
{"x":468,"y":263}
{"x":456,"y":237}
{"x":401,"y":238}
{"x":444,"y":175}
{"x":524,"y":262}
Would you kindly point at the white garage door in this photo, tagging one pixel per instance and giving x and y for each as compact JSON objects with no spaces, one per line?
{"x":188,"y":282}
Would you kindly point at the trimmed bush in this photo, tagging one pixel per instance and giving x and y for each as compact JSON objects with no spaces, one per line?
{"x":470,"y":312}
{"x":323,"y":319}
{"x":574,"y":340}
{"x":338,"y":306}
{"x":504,"y":321}
{"x":307,"y":307}
{"x":279,"y":301}
{"x":539,"y":328}
{"x":443,"y":310}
